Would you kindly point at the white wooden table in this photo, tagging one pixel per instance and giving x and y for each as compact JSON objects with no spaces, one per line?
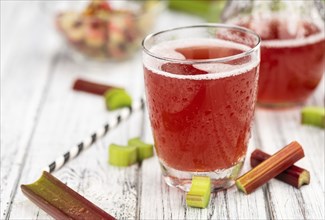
{"x":41,"y":118}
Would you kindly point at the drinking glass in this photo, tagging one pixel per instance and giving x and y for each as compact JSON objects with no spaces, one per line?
{"x":201,"y":86}
{"x":292,"y":49}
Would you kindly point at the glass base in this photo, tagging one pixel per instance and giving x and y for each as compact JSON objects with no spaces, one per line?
{"x":280,"y":105}
{"x":220,"y":179}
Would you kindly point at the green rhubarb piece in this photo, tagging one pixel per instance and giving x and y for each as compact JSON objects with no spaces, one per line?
{"x":144,"y":150}
{"x":199,"y":194}
{"x":313,"y":115}
{"x":117,"y":98}
{"x":122,"y":156}
{"x":111,"y":92}
{"x":60,"y":201}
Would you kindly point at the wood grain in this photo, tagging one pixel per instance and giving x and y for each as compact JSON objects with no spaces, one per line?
{"x":41,"y":118}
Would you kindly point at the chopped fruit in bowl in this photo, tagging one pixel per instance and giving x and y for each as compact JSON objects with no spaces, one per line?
{"x":108,"y":29}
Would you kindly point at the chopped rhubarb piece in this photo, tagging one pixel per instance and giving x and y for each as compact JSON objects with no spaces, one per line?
{"x":122,"y":156}
{"x":91,"y":87}
{"x":113,"y":92}
{"x":143,"y":150}
{"x":270,"y":168}
{"x":117,"y":98}
{"x":199,"y":194}
{"x":294,"y":175}
{"x":313,"y":115}
{"x":60,"y":201}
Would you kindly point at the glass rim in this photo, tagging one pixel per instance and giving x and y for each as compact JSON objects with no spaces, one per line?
{"x":198,"y":61}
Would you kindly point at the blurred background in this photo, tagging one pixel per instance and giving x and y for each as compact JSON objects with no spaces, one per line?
{"x":112,"y":30}
{"x":93,"y":30}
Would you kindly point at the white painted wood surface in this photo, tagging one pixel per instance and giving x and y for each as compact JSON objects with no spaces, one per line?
{"x":41,"y":118}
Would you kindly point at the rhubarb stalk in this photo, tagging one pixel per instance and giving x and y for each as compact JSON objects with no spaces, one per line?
{"x":60,"y":201}
{"x":122,"y":156}
{"x":91,"y":87}
{"x":144,"y":150}
{"x":294,"y":175}
{"x":270,"y":168}
{"x":199,"y":194}
{"x":313,"y":115}
{"x":117,"y":98}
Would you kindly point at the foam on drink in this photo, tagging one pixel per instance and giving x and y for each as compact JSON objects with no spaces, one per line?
{"x":315,"y":38}
{"x":215,"y":70}
{"x":292,"y":57}
{"x":291,"y":31}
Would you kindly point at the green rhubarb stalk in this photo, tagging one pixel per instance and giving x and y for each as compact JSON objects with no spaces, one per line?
{"x":117,"y":98}
{"x":199,"y":194}
{"x":60,"y":201}
{"x":144,"y":150}
{"x":122,"y":156}
{"x":313,"y":115}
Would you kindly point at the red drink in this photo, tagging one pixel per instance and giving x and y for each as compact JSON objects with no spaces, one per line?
{"x":200,"y":114}
{"x":292,"y":59}
{"x":201,"y":86}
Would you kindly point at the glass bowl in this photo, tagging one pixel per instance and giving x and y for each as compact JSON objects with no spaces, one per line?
{"x":107,"y":30}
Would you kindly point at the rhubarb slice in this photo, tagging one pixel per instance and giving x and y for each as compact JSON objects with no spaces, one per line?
{"x":122,"y":156}
{"x":91,"y":87}
{"x":117,"y":98}
{"x":199,"y":194}
{"x":60,"y":201}
{"x":143,"y":150}
{"x":294,"y":175}
{"x":313,"y":115}
{"x":270,"y":168}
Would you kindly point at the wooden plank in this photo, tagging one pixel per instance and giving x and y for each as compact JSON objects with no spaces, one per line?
{"x":158,"y":201}
{"x":24,"y":79}
{"x":311,"y":198}
{"x":253,"y":206}
{"x":103,"y":72}
{"x":66,"y":118}
{"x":277,"y":129}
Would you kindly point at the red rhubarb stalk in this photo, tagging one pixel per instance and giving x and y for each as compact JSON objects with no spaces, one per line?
{"x":294,"y":175}
{"x":270,"y":168}
{"x":60,"y":201}
{"x":91,"y":87}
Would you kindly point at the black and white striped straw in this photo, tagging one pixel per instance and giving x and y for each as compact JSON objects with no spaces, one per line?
{"x":124,"y":114}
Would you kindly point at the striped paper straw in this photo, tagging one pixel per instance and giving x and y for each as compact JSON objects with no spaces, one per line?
{"x":124,"y":114}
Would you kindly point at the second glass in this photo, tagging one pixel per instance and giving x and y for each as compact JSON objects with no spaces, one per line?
{"x":201,"y":86}
{"x":292,"y":49}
